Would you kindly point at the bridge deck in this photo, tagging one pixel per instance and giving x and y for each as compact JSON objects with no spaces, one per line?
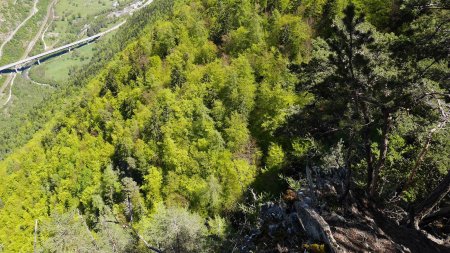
{"x":50,"y":52}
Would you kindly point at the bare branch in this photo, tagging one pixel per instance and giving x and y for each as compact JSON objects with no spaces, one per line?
{"x":139,"y":236}
{"x":88,"y":231}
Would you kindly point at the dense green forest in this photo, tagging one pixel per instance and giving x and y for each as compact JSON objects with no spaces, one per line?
{"x":197,"y":106}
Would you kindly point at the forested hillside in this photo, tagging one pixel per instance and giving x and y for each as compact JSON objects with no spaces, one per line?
{"x":211,"y":108}
{"x":34,"y":104}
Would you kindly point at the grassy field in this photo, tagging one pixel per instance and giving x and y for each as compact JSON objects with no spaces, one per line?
{"x":25,"y":96}
{"x":74,"y":19}
{"x":57,"y":70}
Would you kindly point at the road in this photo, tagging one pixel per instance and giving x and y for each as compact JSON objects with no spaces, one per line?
{"x":11,"y":78}
{"x":41,"y":30}
{"x":10,"y":90}
{"x":48,"y":25}
{"x":34,"y":10}
{"x":26,"y":75}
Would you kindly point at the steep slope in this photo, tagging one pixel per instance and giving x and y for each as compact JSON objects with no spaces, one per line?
{"x":166,"y":140}
{"x":170,"y":114}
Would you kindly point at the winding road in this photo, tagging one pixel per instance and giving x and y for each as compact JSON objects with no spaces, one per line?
{"x":41,"y":29}
{"x":48,"y":25}
{"x":10,"y":90}
{"x":26,"y":75}
{"x":34,"y":10}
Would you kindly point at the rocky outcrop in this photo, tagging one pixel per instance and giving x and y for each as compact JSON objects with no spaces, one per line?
{"x":288,"y":225}
{"x":315,"y":227}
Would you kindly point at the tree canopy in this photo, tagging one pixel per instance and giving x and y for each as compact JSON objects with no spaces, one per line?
{"x":211,"y":99}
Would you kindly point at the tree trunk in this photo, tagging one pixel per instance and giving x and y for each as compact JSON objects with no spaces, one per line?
{"x":35,"y":236}
{"x":367,"y":145}
{"x":425,"y":207}
{"x":311,"y":184}
{"x":420,"y":159}
{"x":369,"y":157}
{"x":348,"y":175}
{"x":383,"y":154}
{"x":441,"y":213}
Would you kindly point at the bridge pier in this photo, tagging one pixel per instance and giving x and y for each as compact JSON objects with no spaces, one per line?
{"x":17,"y":65}
{"x":39,"y":62}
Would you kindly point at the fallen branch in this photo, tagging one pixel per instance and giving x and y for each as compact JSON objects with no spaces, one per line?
{"x":425,"y":207}
{"x":35,"y":236}
{"x":88,"y":231}
{"x":441,"y":213}
{"x":139,"y":236}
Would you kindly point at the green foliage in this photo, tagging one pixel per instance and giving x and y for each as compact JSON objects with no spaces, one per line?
{"x":167,"y":121}
{"x":66,"y":232}
{"x":275,"y":156}
{"x":295,"y":185}
{"x":381,"y":98}
{"x":165,"y":136}
{"x":291,"y":35}
{"x":69,"y":232}
{"x":177,"y":230}
{"x":236,"y":133}
{"x":301,"y":146}
{"x":153,"y":185}
{"x":19,"y":127}
{"x":218,"y":226}
{"x":378,"y":11}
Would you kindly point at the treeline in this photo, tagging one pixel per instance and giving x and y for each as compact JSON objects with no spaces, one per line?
{"x":213,"y":99}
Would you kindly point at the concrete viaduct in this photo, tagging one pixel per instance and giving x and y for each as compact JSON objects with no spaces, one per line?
{"x":19,"y":65}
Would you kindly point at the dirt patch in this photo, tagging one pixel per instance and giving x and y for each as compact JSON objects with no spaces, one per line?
{"x":357,"y":233}
{"x":364,"y":231}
